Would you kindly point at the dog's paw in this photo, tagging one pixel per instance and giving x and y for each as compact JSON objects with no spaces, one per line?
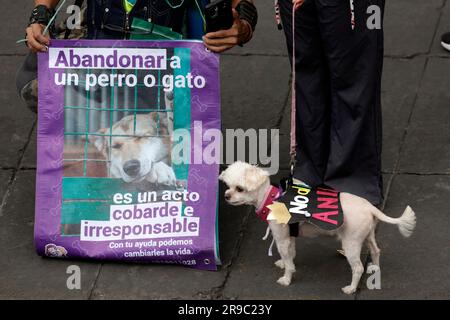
{"x":348,"y":290}
{"x":284,"y":281}
{"x":279,"y":264}
{"x":163,"y":174}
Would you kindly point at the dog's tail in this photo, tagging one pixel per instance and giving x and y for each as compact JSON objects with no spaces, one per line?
{"x":406,"y":223}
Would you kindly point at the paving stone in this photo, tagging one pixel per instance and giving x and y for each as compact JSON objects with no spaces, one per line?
{"x":15,"y":119}
{"x":29,"y":158}
{"x":23,"y":274}
{"x":435,"y":81}
{"x":128,"y":281}
{"x":255,"y":98}
{"x":427,"y":145}
{"x":15,"y":28}
{"x":5,"y":175}
{"x":409,"y":26}
{"x":253,"y":90}
{"x":386,"y":180}
{"x":415,"y":268}
{"x":401,"y":79}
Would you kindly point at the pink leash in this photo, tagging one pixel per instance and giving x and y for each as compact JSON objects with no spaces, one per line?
{"x":293,"y":150}
{"x":294,"y":99}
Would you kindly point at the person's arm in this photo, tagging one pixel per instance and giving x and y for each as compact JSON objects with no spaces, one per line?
{"x":36,"y":41}
{"x":241,"y":32}
{"x":47,"y":3}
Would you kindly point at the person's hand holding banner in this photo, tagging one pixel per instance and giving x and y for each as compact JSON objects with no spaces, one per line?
{"x":239,"y":33}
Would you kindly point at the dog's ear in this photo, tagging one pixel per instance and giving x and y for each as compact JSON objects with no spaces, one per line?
{"x":99,"y":141}
{"x":160,"y":121}
{"x":222,"y":175}
{"x":254,"y":177}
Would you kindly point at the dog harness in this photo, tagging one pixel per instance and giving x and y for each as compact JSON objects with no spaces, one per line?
{"x":319,"y":206}
{"x":295,"y":204}
{"x":300,"y":203}
{"x":272,"y":194}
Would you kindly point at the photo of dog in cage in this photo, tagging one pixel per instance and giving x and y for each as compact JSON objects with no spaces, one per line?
{"x":137,"y":147}
{"x":121,"y":133}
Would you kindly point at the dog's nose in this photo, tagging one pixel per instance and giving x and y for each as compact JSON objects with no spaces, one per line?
{"x":227,"y":197}
{"x":132,"y":167}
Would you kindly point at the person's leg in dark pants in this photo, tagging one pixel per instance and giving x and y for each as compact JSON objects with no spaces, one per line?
{"x":313,"y":91}
{"x":355,"y":60}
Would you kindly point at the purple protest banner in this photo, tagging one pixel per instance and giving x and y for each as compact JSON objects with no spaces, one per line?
{"x":118,"y":128}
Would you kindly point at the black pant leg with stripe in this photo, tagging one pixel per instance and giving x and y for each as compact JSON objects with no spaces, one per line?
{"x":338,"y":78}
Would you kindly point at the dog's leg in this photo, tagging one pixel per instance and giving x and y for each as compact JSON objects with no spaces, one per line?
{"x":292,"y":252}
{"x":279,"y":263}
{"x":284,"y":245}
{"x":288,"y":262}
{"x":352,"y":251}
{"x":373,"y":247}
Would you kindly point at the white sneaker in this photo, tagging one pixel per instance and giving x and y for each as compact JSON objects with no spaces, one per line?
{"x":445,"y":41}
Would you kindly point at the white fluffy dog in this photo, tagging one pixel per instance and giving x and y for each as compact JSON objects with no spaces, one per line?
{"x":249,"y":185}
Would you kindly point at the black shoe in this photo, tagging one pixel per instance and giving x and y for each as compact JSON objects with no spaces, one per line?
{"x":445,"y":41}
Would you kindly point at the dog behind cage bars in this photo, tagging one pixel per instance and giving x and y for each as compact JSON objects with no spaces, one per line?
{"x":119,"y":132}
